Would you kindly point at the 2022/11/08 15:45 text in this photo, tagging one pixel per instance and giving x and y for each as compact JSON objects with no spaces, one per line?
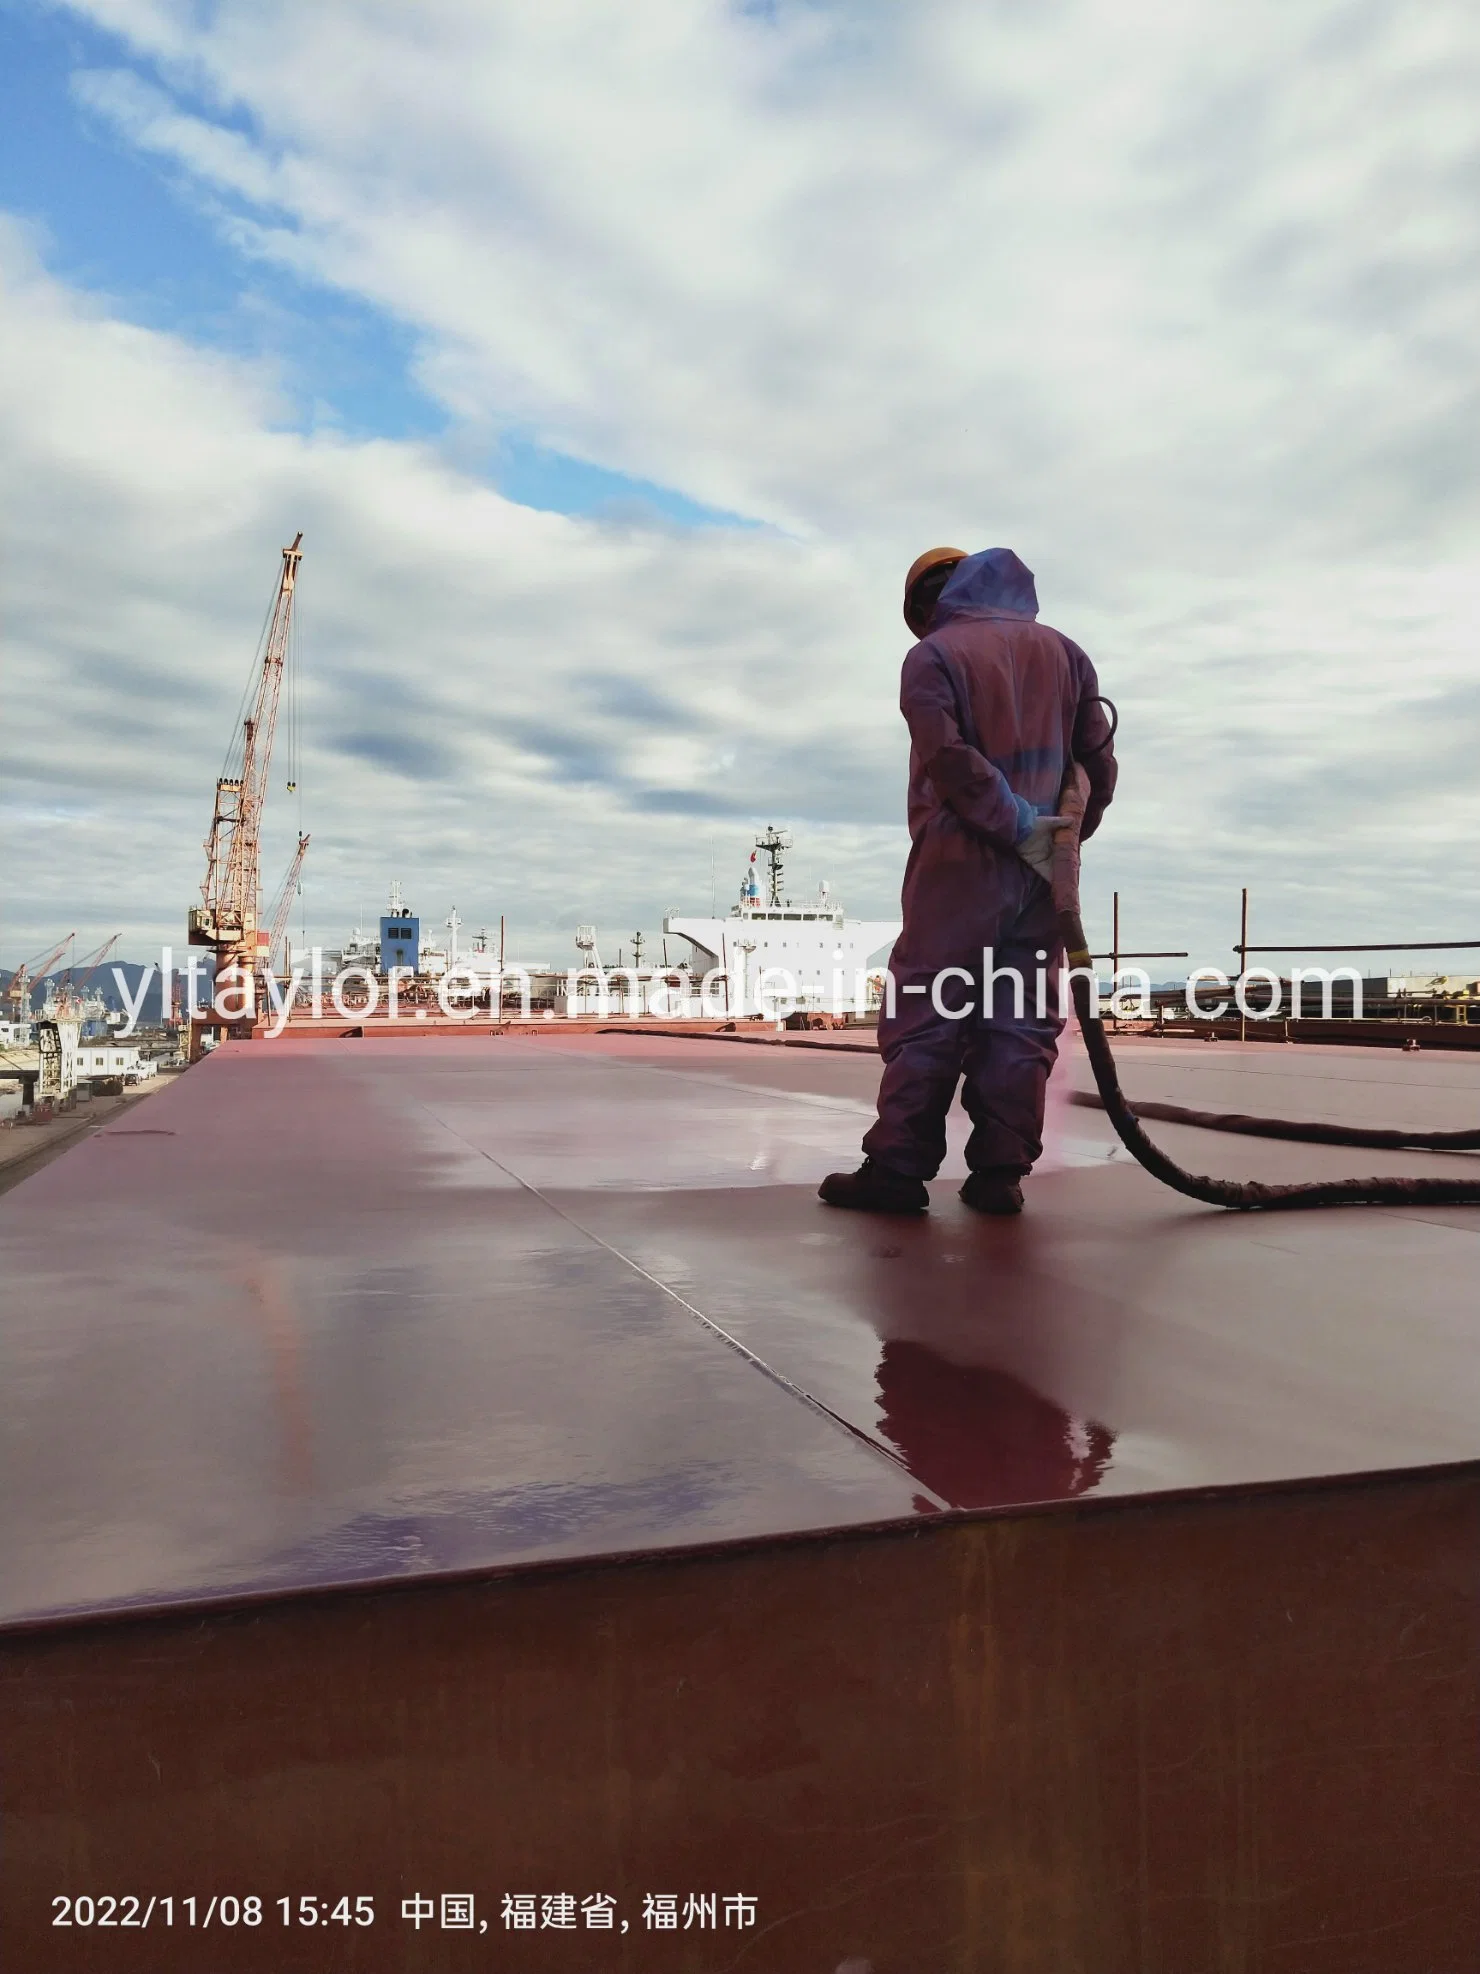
{"x":220,"y":1909}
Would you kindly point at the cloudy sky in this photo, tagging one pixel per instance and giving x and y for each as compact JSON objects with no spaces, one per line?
{"x":616,"y":359}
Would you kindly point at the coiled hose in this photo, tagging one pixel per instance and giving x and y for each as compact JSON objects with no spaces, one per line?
{"x":1246,"y":1195}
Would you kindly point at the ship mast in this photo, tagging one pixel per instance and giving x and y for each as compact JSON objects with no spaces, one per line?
{"x":773,"y":843}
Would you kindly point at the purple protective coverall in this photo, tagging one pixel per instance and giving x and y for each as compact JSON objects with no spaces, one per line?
{"x":996,"y":705}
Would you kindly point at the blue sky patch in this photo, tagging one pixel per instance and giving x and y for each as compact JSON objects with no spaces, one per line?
{"x":134,"y":230}
{"x":555,"y":481}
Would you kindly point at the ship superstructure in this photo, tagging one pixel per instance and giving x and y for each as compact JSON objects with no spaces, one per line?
{"x":770,"y":954}
{"x":769,"y":942}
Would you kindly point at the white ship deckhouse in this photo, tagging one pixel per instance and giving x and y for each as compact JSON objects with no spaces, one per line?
{"x":769,"y":943}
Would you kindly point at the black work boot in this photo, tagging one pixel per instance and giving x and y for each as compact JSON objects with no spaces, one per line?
{"x":875,"y":1189}
{"x":994,"y":1190}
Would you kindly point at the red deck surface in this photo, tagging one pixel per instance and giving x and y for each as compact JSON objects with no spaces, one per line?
{"x":345,"y":1312}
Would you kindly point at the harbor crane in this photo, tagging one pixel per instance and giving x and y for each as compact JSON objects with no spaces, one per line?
{"x":228,"y":917}
{"x":18,"y":993}
{"x":72,"y":993}
{"x":276,"y":961}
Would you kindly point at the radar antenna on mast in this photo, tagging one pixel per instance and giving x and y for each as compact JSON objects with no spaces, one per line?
{"x":773,"y":843}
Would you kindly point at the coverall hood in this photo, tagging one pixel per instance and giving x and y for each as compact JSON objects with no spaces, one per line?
{"x":992,"y":583}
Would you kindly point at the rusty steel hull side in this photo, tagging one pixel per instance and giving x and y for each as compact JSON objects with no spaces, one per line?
{"x":1235,"y":1731}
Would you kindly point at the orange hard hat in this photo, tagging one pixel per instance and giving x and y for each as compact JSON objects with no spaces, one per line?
{"x":933,"y":558}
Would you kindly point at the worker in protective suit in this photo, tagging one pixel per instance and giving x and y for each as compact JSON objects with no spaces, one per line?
{"x":997,"y":704}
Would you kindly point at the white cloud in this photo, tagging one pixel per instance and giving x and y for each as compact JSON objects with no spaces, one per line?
{"x":1180,"y":304}
{"x":149,"y":118}
{"x":1192,"y":284}
{"x":509,"y":709}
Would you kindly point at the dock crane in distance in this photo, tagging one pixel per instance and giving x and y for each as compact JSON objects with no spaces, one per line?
{"x":73,"y":991}
{"x":227,"y":919}
{"x":282,"y":911}
{"x":18,"y":992}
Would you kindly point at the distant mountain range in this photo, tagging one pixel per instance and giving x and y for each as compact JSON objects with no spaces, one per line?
{"x":106,"y":986}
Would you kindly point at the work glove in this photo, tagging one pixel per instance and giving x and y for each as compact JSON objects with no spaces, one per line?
{"x":1036,"y":848}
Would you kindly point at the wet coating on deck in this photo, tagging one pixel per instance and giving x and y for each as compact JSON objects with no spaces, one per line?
{"x":351,"y":1312}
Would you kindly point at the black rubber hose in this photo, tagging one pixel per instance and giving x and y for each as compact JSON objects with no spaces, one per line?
{"x":1242,"y":1195}
{"x":1299,"y":1131}
{"x":1245,"y":1195}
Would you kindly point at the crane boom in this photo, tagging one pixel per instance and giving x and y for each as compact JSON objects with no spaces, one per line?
{"x":227,"y":918}
{"x":282,"y":909}
{"x":88,"y":965}
{"x":93,"y":961}
{"x":29,"y":972}
{"x":72,"y":992}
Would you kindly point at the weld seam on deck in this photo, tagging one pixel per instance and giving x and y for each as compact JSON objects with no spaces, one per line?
{"x":800,"y":1392}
